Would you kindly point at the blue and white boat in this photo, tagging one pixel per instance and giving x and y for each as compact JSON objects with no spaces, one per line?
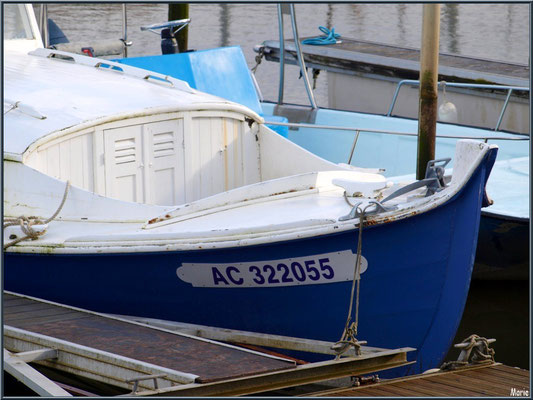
{"x":152,"y":199}
{"x":377,"y":142}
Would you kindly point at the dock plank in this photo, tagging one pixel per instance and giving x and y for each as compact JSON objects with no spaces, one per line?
{"x":10,"y":301}
{"x":435,"y":388}
{"x":210,"y":361}
{"x":497,"y":377}
{"x":398,"y":391}
{"x":468,"y":388}
{"x":22,"y":308}
{"x":494,"y":380}
{"x":457,"y":61}
{"x":473,"y":382}
{"x":514,"y":370}
{"x":31,"y":321}
{"x":38,"y":314}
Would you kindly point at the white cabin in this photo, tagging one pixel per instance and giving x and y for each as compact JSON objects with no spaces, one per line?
{"x":128,"y":134}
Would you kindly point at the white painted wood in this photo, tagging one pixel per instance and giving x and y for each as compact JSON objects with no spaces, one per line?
{"x":124,"y":164}
{"x":91,"y":363}
{"x":53,"y":167}
{"x":280,"y":157}
{"x":99,"y":161}
{"x":30,"y":377}
{"x":165,"y":177}
{"x":86,"y":102}
{"x":71,"y":159}
{"x":251,"y":155}
{"x":37,"y":355}
{"x":299,"y":206}
{"x":30,"y":192}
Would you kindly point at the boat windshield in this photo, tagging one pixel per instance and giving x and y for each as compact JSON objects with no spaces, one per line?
{"x":16,"y":22}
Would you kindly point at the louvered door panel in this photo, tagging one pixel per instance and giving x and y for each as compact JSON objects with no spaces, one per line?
{"x":165,"y":162}
{"x":124,"y":163}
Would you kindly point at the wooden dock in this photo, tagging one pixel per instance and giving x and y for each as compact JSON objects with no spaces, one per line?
{"x":493,"y":380}
{"x":353,"y":56}
{"x":365,"y":76}
{"x":149,"y":360}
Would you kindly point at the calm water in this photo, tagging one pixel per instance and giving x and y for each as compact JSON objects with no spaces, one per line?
{"x":465,"y":29}
{"x":494,"y":309}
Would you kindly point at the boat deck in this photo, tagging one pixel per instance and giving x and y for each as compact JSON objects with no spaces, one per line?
{"x":352,"y":56}
{"x":495,"y":380}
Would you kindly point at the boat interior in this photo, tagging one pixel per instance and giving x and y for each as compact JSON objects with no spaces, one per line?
{"x":175,"y":158}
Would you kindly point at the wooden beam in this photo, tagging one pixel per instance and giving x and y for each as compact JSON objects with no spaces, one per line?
{"x":429,"y":68}
{"x":30,"y":377}
{"x":180,"y":11}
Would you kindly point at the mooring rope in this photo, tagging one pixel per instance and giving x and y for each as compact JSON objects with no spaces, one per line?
{"x":349,"y":334}
{"x":477,"y":350}
{"x":329,"y":37}
{"x":26,"y":223}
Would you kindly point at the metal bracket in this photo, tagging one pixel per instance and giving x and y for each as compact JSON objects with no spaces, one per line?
{"x":178,"y":23}
{"x":435,"y":170}
{"x":356,"y":210}
{"x":342,"y":346}
{"x":434,"y":180}
{"x":474,"y":350}
{"x":136,"y":381}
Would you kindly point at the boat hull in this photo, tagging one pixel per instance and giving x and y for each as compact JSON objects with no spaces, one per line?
{"x":412,"y":293}
{"x":503,"y":248}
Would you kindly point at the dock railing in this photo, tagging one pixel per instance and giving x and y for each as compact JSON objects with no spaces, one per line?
{"x":509,"y":90}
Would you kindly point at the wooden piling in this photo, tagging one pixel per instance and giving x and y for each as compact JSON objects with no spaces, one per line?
{"x":180,"y":11}
{"x":429,"y":65}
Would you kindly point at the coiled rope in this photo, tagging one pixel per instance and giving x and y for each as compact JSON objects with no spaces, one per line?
{"x":477,"y":350}
{"x":26,"y":223}
{"x":329,"y":37}
{"x":349,"y":334}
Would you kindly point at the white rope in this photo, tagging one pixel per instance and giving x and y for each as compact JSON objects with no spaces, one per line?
{"x":26,"y":223}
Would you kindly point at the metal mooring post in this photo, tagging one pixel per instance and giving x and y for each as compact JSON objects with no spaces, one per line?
{"x":429,"y":66}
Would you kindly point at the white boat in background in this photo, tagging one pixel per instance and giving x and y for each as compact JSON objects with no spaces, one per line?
{"x":128,"y":192}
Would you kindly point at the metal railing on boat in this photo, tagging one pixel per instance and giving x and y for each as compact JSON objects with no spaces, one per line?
{"x":359,"y":130}
{"x":509,"y":90}
{"x":377,"y":131}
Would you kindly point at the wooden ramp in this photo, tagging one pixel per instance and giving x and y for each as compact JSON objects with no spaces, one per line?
{"x":494,"y":380}
{"x":123,"y":353}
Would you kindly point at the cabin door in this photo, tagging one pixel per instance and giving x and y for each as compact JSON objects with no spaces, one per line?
{"x":141,"y":162}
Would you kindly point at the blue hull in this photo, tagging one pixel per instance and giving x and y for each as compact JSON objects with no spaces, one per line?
{"x":412,"y":294}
